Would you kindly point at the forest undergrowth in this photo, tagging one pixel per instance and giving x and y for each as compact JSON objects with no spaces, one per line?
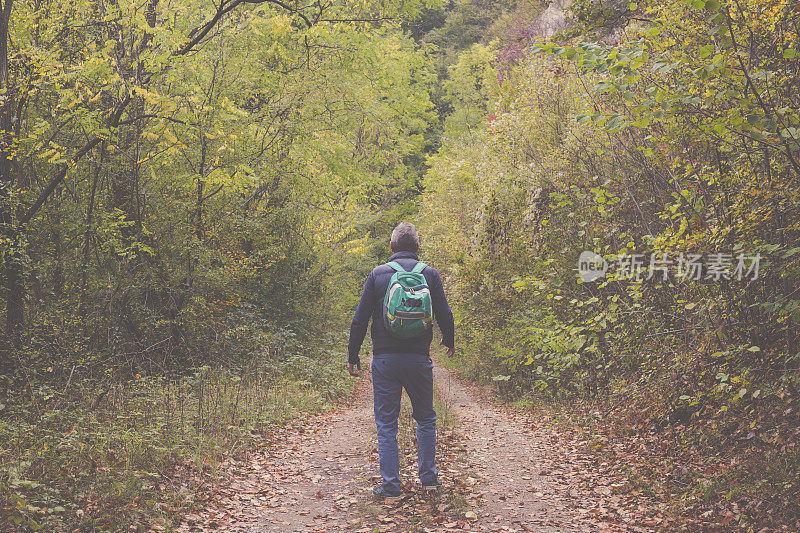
{"x":115,"y":455}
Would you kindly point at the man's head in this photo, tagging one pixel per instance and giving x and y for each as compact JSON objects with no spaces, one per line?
{"x":405,"y":238}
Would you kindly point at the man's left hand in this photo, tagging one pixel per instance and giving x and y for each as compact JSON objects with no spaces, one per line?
{"x":354,"y":369}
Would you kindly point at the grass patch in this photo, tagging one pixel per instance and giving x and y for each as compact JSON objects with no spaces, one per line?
{"x":122,"y":455}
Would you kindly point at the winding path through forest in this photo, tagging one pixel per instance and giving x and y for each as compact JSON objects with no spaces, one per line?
{"x":501,"y":472}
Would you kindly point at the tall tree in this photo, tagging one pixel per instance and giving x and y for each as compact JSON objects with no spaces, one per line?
{"x":12,"y":247}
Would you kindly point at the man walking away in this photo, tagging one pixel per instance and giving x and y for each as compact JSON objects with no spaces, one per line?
{"x":402,"y":297}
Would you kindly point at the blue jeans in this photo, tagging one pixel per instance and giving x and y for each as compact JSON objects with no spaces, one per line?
{"x":391,"y":373}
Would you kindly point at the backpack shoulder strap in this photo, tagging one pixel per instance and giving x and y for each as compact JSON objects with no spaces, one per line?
{"x":395,"y":265}
{"x":419,"y":267}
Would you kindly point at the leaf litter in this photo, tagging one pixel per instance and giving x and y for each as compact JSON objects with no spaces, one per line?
{"x":501,"y":472}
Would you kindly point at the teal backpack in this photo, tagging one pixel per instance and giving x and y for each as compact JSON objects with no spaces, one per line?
{"x":407,"y":309}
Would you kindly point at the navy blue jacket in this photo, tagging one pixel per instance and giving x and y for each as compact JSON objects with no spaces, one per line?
{"x":371,"y":306}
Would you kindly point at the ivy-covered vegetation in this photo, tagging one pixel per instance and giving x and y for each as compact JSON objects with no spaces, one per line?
{"x":671,"y":140}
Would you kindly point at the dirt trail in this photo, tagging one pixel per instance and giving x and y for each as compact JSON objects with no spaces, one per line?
{"x":514,"y":460}
{"x":510,"y":473}
{"x":309,"y":482}
{"x":508,"y":458}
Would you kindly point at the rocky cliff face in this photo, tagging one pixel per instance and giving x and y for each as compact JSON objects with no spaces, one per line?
{"x":553,"y":18}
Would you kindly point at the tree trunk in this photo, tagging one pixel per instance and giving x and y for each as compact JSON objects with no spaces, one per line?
{"x":58,"y":270}
{"x":14,"y":256}
{"x":199,"y":230}
{"x":88,"y":236}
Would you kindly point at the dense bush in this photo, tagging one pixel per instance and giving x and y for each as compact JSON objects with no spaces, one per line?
{"x":680,"y":140}
{"x":190,"y":196}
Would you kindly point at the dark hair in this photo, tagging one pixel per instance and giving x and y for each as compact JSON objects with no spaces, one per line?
{"x":405,"y":238}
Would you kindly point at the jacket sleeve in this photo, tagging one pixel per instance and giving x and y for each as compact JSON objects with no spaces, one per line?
{"x":358,"y":327}
{"x":441,"y":310}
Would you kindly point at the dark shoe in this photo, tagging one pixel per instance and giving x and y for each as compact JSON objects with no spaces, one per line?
{"x":431,"y":485}
{"x":383,"y":495}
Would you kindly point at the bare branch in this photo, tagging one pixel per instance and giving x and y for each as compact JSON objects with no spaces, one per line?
{"x":198,"y":34}
{"x":113,"y":121}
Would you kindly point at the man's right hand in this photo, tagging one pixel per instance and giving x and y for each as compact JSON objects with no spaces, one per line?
{"x":449,"y":350}
{"x":354,"y":369}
